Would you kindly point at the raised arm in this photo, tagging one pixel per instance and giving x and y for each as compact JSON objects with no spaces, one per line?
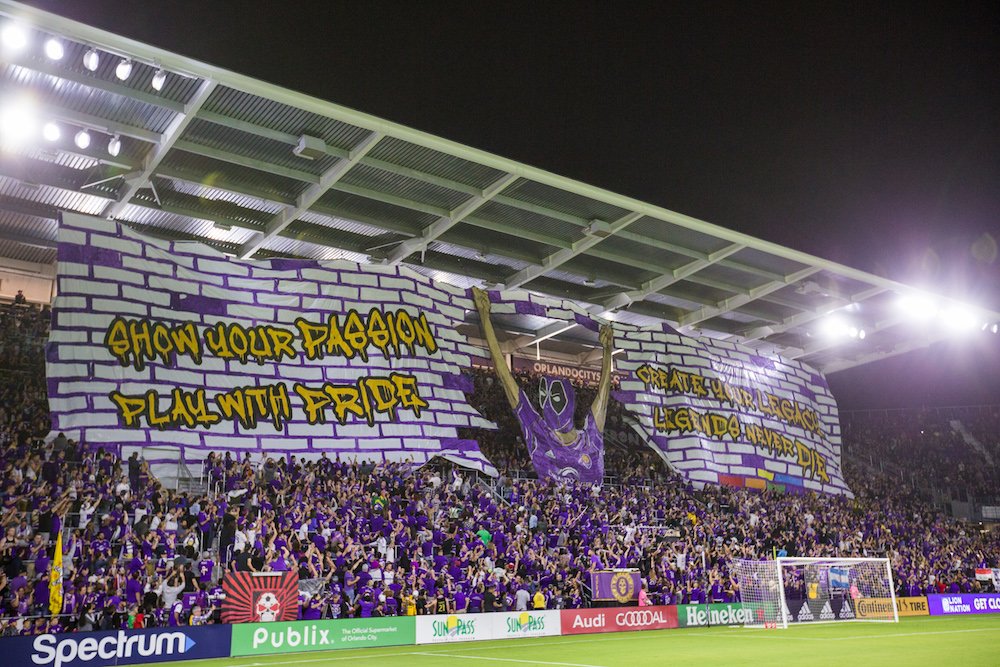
{"x":600,"y":406}
{"x":510,"y":388}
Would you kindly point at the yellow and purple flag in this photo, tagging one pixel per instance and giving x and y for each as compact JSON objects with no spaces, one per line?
{"x":56,"y":578}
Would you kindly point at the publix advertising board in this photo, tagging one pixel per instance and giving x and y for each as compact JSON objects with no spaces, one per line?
{"x":297,"y":636}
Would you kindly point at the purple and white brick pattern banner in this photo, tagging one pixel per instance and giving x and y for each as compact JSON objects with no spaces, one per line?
{"x":715,"y":411}
{"x":172,"y":343}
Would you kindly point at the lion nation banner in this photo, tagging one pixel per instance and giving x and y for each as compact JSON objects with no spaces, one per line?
{"x":159,"y":342}
{"x":716,"y":412}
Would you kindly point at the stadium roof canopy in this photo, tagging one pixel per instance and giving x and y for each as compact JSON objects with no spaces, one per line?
{"x":256,"y":170}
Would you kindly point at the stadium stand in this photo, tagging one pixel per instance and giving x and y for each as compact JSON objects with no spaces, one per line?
{"x":384,"y":540}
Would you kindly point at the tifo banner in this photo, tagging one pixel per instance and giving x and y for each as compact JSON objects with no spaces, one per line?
{"x":715,"y":411}
{"x":174,"y":343}
{"x":328,"y":635}
{"x":576,"y":374}
{"x":611,"y":619}
{"x":724,"y":613}
{"x":882,"y":607}
{"x":964,"y":603}
{"x":444,"y":628}
{"x":122,"y":647}
{"x":615,"y":585}
{"x":260,"y":597}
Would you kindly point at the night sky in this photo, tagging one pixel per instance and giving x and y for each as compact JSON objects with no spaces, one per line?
{"x":869,"y":135}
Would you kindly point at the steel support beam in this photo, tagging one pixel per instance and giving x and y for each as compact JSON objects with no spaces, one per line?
{"x":734,"y":302}
{"x":163,"y":145}
{"x":310,"y":196}
{"x":560,"y":257}
{"x":807,"y":316}
{"x":434,"y":230}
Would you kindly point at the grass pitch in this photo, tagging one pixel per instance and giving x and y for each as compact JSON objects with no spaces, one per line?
{"x":963,"y":641}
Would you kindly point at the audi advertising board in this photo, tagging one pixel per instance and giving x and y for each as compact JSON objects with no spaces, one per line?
{"x":618,"y":619}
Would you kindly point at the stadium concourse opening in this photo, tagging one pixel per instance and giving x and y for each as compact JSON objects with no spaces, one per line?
{"x":278,"y":376}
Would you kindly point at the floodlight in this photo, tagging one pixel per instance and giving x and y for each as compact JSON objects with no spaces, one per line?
{"x":124,"y":69}
{"x":159,"y":79}
{"x":918,"y":307}
{"x":82,"y":139}
{"x":54,"y":49}
{"x":14,"y":37}
{"x":51,"y":132}
{"x":92,"y":59}
{"x":17,"y":124}
{"x":960,"y":318}
{"x":114,"y":146}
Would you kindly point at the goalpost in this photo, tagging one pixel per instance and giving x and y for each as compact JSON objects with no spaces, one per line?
{"x":816,"y":590}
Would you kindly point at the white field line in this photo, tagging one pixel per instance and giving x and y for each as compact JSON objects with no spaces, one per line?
{"x":483,"y":657}
{"x":361,"y":654}
{"x":838,"y":639}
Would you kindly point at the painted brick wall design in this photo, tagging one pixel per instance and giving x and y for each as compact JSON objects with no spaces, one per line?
{"x":106,"y":270}
{"x":704,"y":459}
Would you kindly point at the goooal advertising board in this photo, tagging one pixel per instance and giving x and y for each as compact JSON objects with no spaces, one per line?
{"x":124,"y":647}
{"x":964,"y":603}
{"x":296,"y":636}
{"x":621,"y":619}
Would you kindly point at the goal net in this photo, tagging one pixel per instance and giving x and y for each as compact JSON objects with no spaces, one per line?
{"x":816,"y":590}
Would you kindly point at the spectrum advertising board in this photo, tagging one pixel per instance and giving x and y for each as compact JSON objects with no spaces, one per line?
{"x":122,"y":647}
{"x":444,"y":628}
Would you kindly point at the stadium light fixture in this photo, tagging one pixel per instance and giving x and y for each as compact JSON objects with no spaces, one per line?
{"x":51,"y":131}
{"x":159,"y":79}
{"x":82,"y":139}
{"x":960,"y":318}
{"x":124,"y":69}
{"x":114,"y":146}
{"x":54,"y":49}
{"x":14,"y":37}
{"x":18,"y":124}
{"x":92,"y":59}
{"x":918,"y":308}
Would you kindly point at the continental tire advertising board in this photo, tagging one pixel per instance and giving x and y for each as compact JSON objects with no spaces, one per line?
{"x":298,"y":636}
{"x":882,"y":607}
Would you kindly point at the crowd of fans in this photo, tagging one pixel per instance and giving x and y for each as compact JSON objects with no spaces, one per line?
{"x":387,"y":539}
{"x":926,"y":448}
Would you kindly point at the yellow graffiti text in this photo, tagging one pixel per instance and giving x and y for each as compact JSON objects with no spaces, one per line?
{"x":366,"y":399}
{"x":686,"y":420}
{"x":391,"y":333}
{"x":134,"y":342}
{"x":250,"y":405}
{"x":186,"y":408}
{"x":260,"y":343}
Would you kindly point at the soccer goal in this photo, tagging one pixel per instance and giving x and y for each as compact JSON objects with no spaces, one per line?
{"x":815,"y":590}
